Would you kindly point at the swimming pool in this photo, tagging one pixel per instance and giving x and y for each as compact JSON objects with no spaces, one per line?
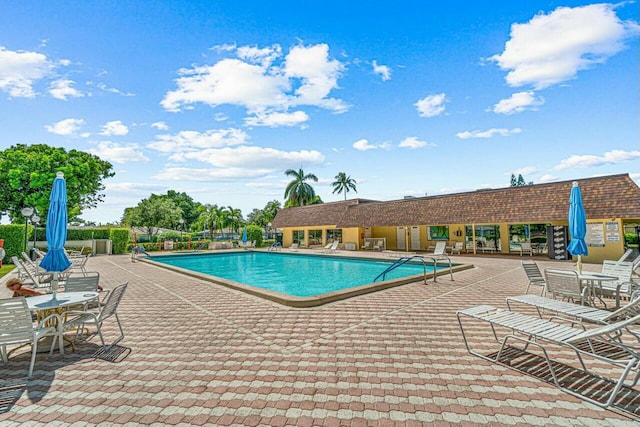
{"x":293,"y":279}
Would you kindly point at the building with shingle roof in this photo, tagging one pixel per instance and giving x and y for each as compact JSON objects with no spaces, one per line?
{"x":505,"y":216}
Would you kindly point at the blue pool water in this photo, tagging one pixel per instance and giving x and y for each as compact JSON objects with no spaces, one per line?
{"x":297,"y":275}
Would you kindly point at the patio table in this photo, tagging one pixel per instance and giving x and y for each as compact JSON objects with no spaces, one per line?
{"x":45,"y":305}
{"x":594,"y":280}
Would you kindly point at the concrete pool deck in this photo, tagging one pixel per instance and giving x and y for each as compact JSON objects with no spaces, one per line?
{"x":203,"y":354}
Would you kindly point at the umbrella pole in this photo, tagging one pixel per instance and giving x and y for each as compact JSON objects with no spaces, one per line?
{"x":579,"y":264}
{"x":54,"y":285}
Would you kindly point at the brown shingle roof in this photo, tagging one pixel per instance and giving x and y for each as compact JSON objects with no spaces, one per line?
{"x":320,"y":214}
{"x":614,"y":196}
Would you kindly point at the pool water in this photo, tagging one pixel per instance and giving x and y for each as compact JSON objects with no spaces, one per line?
{"x":297,"y":275}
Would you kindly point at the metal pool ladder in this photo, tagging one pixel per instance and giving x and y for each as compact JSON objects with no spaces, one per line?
{"x":405,"y":260}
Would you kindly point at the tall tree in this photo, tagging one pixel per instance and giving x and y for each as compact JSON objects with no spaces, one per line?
{"x":519,"y":182}
{"x":27,"y":173}
{"x":155,"y":212}
{"x":187,"y":205}
{"x":343,"y":183}
{"x":298,"y":191}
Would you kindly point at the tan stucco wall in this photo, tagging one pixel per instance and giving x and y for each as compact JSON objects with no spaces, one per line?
{"x":611,"y":250}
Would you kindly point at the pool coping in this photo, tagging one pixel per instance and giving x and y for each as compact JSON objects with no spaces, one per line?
{"x":310,"y":301}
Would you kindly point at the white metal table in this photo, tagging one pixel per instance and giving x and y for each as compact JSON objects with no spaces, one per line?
{"x":44,"y":305}
{"x":594,"y":280}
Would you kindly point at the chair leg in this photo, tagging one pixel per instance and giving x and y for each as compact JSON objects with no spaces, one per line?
{"x":34,"y":350}
{"x":3,"y":353}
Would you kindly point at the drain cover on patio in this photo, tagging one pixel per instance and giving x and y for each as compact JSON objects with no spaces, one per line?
{"x":114,"y":354}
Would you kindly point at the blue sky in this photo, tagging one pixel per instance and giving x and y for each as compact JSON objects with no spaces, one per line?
{"x":218,"y":99}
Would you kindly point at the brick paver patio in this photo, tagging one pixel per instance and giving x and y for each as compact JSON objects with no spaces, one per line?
{"x":202,"y":354}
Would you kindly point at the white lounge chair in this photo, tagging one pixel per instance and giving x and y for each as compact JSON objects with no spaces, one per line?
{"x":577,"y":312}
{"x":604,"y":344}
{"x":333,"y":247}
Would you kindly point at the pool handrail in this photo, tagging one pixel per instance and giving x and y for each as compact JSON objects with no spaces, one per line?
{"x":275,"y":246}
{"x":404,"y":260}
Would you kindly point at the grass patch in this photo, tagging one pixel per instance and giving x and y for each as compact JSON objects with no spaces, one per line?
{"x":6,"y":269}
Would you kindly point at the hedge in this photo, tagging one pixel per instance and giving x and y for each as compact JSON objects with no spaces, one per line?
{"x":13,"y":235}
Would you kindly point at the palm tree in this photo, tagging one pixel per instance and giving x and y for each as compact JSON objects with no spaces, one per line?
{"x":298,"y":192}
{"x":344,"y":183}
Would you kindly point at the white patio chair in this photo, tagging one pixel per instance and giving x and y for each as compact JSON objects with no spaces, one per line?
{"x":457,"y":248}
{"x":525,"y":248}
{"x":16,"y":327}
{"x":86,"y":282}
{"x":602,"y":344}
{"x":81,"y":319}
{"x":534,"y":275}
{"x":624,"y":286}
{"x":565,"y":284}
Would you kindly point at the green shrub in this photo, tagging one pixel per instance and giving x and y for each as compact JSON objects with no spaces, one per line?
{"x":631,"y":238}
{"x":254,"y":232}
{"x":13,"y":236}
{"x":119,"y":238}
{"x":88,"y":233}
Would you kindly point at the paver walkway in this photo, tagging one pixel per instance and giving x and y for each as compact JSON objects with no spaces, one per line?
{"x":202,"y":354}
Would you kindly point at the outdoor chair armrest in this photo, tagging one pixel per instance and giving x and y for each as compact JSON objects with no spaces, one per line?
{"x":52,"y":317}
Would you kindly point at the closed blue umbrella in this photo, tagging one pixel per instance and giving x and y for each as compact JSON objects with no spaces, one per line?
{"x":577,"y":225}
{"x":244,"y":235}
{"x":56,"y":260}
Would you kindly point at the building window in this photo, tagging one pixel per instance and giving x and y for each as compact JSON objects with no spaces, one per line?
{"x":487,"y":236}
{"x":315,"y":237}
{"x":334,"y":234}
{"x":438,"y":232}
{"x":298,"y":237}
{"x":533,"y":233}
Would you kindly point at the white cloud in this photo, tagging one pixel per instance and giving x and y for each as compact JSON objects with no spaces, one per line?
{"x":209,"y":175}
{"x":160,"y":125}
{"x":552,"y":48}
{"x":105,"y":88}
{"x":382,"y":70}
{"x":414,"y":142}
{"x":277,"y":119}
{"x":119,"y":153}
{"x":488,"y":133}
{"x":586,"y":161}
{"x":220,"y":117}
{"x":230,"y":81}
{"x":115,"y":127}
{"x":19,"y":70}
{"x":319,"y":75}
{"x":261,"y":79}
{"x":547,"y":178}
{"x":137,"y":188}
{"x":62,"y":89}
{"x":262,"y":56}
{"x":259,"y":158}
{"x":363,"y":145}
{"x":518,"y":102}
{"x":527,"y":170}
{"x":66,"y":127}
{"x":189,"y":140}
{"x":431,"y":106}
